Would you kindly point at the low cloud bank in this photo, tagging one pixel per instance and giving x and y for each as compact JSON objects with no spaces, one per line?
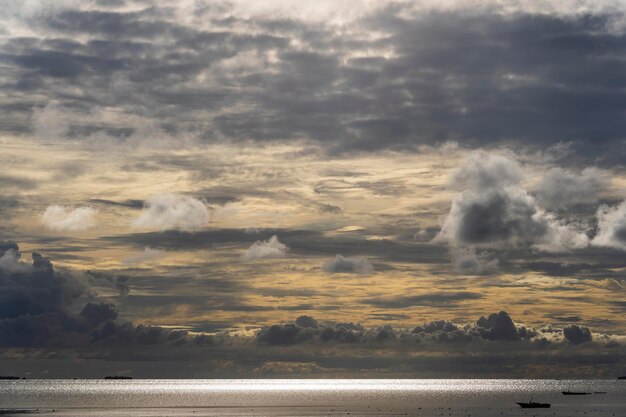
{"x":496,"y":327}
{"x":49,"y":310}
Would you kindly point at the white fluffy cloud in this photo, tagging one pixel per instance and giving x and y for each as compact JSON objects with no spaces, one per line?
{"x":348,"y":265}
{"x":611,"y":227}
{"x":483,"y":170}
{"x":265,"y":249}
{"x":559,"y":188}
{"x":65,"y":219}
{"x":173,"y":211}
{"x":494,"y":211}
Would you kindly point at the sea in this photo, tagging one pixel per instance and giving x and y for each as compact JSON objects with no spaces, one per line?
{"x":311,"y":397}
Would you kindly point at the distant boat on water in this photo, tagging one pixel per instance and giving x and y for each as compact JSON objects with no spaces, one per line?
{"x":575,"y":393}
{"x":621,"y":377}
{"x":533,"y":404}
{"x":8,"y":377}
{"x":117,"y":377}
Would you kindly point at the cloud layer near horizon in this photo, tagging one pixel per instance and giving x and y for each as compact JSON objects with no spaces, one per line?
{"x":46,"y":322}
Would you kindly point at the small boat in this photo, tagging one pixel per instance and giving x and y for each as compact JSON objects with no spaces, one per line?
{"x":575,"y":393}
{"x":533,"y":404}
{"x":621,"y":377}
{"x":8,"y":377}
{"x":118,"y":377}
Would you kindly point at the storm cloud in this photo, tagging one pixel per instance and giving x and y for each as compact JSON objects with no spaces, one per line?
{"x":494,"y":210}
{"x":550,"y":78}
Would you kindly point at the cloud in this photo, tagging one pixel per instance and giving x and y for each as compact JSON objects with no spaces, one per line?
{"x":341,"y":265}
{"x":421,"y":234}
{"x":499,"y":326}
{"x":577,"y":334}
{"x":468,"y":261}
{"x":260,"y":76}
{"x":611,"y":227}
{"x":287,"y":334}
{"x":265,"y":249}
{"x":64,"y":219}
{"x":562,"y":189}
{"x":148,"y":255}
{"x":448,"y":298}
{"x":97,"y":313}
{"x":494,"y":211}
{"x":495,"y":329}
{"x":51,"y":122}
{"x":306,"y":321}
{"x":483,"y":170}
{"x":11,"y":263}
{"x":35,"y":289}
{"x":8,"y":182}
{"x":121,"y":285}
{"x":173,"y":211}
{"x":36,"y":310}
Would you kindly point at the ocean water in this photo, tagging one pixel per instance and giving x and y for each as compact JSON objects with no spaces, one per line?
{"x":354,"y":397}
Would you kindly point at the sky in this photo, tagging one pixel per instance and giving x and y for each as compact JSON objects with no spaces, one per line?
{"x":313,"y":189}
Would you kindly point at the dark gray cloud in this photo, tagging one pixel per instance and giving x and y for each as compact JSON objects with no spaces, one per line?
{"x":495,"y":211}
{"x":500,"y":326}
{"x":479,"y":78}
{"x":450,"y":298}
{"x":97,"y":314}
{"x":8,"y":182}
{"x":36,"y":303}
{"x":577,"y":334}
{"x":135,"y":204}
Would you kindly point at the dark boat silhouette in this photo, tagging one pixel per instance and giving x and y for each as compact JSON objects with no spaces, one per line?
{"x":533,"y":404}
{"x":8,"y":377}
{"x":117,"y":377}
{"x":575,"y":393}
{"x":621,"y":377}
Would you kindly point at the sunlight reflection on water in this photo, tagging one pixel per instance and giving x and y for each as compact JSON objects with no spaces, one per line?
{"x":274,"y":397}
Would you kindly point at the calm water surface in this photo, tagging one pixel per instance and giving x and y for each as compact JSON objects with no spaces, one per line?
{"x":417,"y":397}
